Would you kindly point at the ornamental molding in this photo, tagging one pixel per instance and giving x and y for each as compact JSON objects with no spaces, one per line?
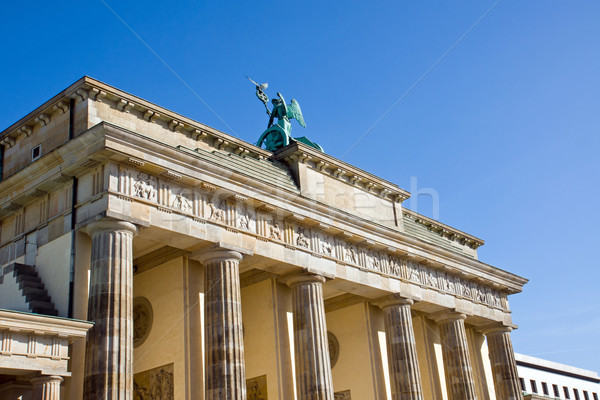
{"x":268,"y":223}
{"x":89,"y":89}
{"x":299,"y":153}
{"x":157,"y":191}
{"x":445,"y":231}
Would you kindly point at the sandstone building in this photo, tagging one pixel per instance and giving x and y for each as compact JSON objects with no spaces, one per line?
{"x":212,"y":269}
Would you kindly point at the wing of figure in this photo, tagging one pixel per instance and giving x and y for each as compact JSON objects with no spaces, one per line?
{"x":294,"y":111}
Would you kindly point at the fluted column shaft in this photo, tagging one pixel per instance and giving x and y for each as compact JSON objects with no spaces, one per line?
{"x":225,"y":376}
{"x":401,"y":349}
{"x":455,"y":352}
{"x":109,"y":350}
{"x":504,"y":366}
{"x":46,"y":387}
{"x":313,"y":366}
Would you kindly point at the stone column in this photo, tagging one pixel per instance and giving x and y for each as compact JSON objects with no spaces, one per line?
{"x":46,"y":387}
{"x":504,"y":366}
{"x":401,"y":349}
{"x":109,"y":350}
{"x":313,"y":366}
{"x":225,"y":376}
{"x":455,"y":352}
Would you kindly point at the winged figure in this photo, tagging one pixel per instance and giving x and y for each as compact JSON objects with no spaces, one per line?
{"x":278,"y":134}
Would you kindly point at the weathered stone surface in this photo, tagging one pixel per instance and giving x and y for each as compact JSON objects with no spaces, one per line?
{"x":401,"y":349}
{"x":504,"y":366}
{"x":455,"y":352}
{"x":109,"y":352}
{"x":313,"y":368}
{"x":225,"y":370}
{"x":46,"y":387}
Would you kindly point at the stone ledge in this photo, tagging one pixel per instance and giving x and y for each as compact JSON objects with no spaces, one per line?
{"x":16,"y":321}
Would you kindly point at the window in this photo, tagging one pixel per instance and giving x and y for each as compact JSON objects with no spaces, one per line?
{"x":595,"y":395}
{"x":576,"y":393}
{"x":555,"y":389}
{"x":545,"y":388}
{"x":522,"y":381}
{"x":566,"y":390}
{"x":585,"y":395}
{"x":533,"y":386}
{"x":36,"y":152}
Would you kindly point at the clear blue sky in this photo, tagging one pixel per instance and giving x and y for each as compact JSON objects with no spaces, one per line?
{"x":505,"y":127}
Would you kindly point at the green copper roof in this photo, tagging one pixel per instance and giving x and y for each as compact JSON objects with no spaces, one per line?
{"x":263,"y":170}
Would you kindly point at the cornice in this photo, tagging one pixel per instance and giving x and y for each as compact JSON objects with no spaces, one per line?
{"x":90,"y":88}
{"x":43,"y":176}
{"x":445,"y":230}
{"x":15,"y":321}
{"x":300,"y":153}
{"x":277,"y":199}
{"x":106,"y":142}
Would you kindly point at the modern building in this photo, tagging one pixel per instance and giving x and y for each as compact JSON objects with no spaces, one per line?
{"x":209,"y":268}
{"x":543,"y":379}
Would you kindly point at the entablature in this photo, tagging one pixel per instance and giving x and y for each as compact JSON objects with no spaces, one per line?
{"x":344,"y":172}
{"x":172,"y":180}
{"x":444,"y":230}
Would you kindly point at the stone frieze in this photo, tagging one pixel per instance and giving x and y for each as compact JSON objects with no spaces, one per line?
{"x":206,"y":203}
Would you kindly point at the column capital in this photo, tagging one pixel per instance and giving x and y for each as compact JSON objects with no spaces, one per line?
{"x":496,"y":328}
{"x":113,"y":225}
{"x":46,"y":378}
{"x":219,"y":252}
{"x":446,"y":316}
{"x":394,"y":300}
{"x":302,"y":277}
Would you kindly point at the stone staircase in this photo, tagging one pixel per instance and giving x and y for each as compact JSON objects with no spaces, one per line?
{"x":32,"y":287}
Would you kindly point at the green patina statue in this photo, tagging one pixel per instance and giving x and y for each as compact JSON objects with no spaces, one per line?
{"x":278,"y":135}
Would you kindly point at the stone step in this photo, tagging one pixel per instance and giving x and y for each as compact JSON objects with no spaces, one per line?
{"x":42,"y":307}
{"x":31,"y":284}
{"x":30,"y":290}
{"x":23,"y":269}
{"x":29,"y":278}
{"x":38,"y":297}
{"x":33,"y":289}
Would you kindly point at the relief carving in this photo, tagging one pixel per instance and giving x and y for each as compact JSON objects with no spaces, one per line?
{"x":243,"y":222}
{"x":275,"y":231}
{"x":326,"y":247}
{"x":181,"y":202}
{"x":350,"y":254}
{"x":431,"y":278}
{"x":448,"y":283}
{"x":345,"y":395}
{"x":302,"y":239}
{"x":480,"y":294}
{"x":465,"y":290}
{"x":217,"y":213}
{"x":496,"y":301}
{"x":257,"y":388}
{"x":144,"y":186}
{"x":373,"y":260}
{"x":334,"y":348}
{"x":414,"y":274}
{"x":142,"y":320}
{"x":154,"y":384}
{"x":394,"y":267}
{"x":245,"y":219}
